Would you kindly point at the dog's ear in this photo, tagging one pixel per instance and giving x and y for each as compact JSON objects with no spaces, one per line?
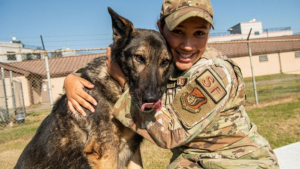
{"x":122,"y":27}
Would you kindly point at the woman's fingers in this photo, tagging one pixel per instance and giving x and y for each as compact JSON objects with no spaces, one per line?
{"x":83,"y":99}
{"x":77,"y":97}
{"x":86,"y":83}
{"x":77,"y":106}
{"x":72,"y":109}
{"x":85,"y":95}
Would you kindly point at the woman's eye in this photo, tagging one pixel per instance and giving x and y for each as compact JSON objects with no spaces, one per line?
{"x":165,"y":63}
{"x":199,"y":33}
{"x":176,"y":31}
{"x":139,"y":58}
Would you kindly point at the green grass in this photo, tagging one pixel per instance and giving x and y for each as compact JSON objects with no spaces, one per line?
{"x":277,"y":118}
{"x":279,"y":123}
{"x":23,"y":130}
{"x":268,"y":90}
{"x":270,"y":77}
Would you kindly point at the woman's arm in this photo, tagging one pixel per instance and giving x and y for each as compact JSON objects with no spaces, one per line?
{"x":78,"y":98}
{"x":114,"y":70}
{"x":192,"y":110}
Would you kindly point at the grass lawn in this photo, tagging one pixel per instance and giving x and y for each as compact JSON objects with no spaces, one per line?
{"x":277,"y":117}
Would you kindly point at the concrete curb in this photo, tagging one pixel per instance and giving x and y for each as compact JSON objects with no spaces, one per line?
{"x":289,"y":156}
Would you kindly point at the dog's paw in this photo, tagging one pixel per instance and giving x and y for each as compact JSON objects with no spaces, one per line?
{"x":101,"y":155}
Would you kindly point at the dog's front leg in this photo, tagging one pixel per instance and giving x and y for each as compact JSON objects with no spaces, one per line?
{"x":102,"y":147}
{"x":101,"y":155}
{"x":136,"y":160}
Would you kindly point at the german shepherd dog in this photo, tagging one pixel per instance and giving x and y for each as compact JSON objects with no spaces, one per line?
{"x":64,"y":140}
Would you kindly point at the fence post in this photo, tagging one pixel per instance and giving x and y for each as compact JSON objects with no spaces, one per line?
{"x":253,"y":77}
{"x":22,"y":95}
{"x":12,"y":92}
{"x":5,"y":96}
{"x":48,"y":73}
{"x":48,"y":79}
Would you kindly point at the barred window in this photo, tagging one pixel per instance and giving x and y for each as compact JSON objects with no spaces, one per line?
{"x":11,"y":56}
{"x":263,"y":58}
{"x":297,"y":54}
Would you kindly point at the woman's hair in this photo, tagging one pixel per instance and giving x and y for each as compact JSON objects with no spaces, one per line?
{"x":161,"y":23}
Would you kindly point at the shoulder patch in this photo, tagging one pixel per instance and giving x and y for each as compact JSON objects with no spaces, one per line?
{"x":192,"y":101}
{"x":212,"y":86}
{"x":198,"y":99}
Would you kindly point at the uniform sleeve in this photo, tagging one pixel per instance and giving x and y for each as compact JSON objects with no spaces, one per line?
{"x":192,"y":110}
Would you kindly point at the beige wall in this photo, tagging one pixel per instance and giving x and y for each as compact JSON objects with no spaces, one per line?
{"x":9,"y":93}
{"x":25,"y":88}
{"x":289,"y":64}
{"x":57,"y":91}
{"x":57,"y":87}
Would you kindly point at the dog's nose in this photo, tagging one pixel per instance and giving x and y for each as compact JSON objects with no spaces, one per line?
{"x":150,"y":97}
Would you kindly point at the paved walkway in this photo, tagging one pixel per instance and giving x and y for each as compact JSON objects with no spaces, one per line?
{"x":43,"y":106}
{"x":274,"y":80}
{"x":289,"y":156}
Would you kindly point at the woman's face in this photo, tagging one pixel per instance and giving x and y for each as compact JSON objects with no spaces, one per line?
{"x":187,"y":41}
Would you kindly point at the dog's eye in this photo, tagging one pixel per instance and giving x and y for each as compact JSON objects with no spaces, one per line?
{"x":139,"y":58}
{"x":165,"y":63}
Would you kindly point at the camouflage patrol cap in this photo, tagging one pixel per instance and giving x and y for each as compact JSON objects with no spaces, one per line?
{"x":176,"y":11}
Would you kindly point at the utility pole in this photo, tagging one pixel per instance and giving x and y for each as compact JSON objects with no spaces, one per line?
{"x":253,"y":77}
{"x":48,"y":73}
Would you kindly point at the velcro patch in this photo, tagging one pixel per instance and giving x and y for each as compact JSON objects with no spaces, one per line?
{"x":192,"y":101}
{"x":171,"y":85}
{"x":198,"y":99}
{"x":181,"y":81}
{"x":212,"y":86}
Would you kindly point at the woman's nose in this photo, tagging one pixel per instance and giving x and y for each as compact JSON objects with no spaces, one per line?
{"x":187,"y":44}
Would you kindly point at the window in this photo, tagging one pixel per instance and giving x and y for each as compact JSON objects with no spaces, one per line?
{"x":297,"y":54}
{"x":28,"y":57}
{"x":256,"y":33}
{"x":263,"y":58}
{"x":11,"y":56}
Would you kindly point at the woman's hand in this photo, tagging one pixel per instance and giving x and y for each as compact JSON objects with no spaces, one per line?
{"x":77,"y":97}
{"x":114,"y":69}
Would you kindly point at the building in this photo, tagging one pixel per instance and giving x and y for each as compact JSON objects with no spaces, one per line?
{"x":242,"y":29}
{"x":269,"y":56}
{"x":33,"y":76}
{"x":65,"y":53}
{"x":14,"y":47}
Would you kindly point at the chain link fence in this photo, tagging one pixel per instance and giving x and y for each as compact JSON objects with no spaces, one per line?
{"x":40,"y":78}
{"x":12,"y":107}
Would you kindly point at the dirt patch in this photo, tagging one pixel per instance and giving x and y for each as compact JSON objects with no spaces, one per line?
{"x":271,"y":103}
{"x":9,"y":158}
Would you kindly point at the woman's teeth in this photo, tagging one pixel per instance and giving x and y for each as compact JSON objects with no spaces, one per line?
{"x":185,"y":56}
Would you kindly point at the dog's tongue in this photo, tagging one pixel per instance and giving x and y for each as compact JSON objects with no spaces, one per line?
{"x":157,"y":106}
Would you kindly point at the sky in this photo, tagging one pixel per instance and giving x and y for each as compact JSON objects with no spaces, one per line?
{"x":78,"y":24}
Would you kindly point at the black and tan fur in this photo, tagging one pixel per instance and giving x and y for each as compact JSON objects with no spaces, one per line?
{"x":98,"y":140}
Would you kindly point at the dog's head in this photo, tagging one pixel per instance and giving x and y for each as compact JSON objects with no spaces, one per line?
{"x":144,"y":58}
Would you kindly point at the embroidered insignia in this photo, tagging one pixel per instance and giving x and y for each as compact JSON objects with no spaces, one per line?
{"x":171,"y":85}
{"x":192,"y":101}
{"x":212,"y":86}
{"x":182,"y":81}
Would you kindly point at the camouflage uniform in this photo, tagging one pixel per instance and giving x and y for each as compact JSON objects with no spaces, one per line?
{"x":203,"y":120}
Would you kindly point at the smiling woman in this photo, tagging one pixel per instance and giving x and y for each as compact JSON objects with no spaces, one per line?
{"x":202,"y":118}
